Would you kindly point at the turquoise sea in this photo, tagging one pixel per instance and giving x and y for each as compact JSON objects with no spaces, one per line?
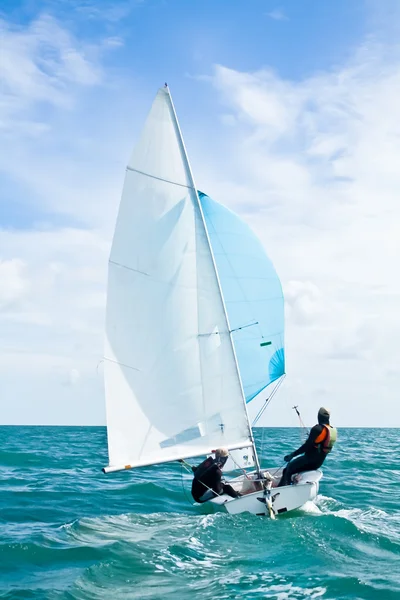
{"x":68,"y":531}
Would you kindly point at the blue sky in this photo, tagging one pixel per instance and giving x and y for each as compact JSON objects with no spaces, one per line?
{"x":289,"y":114}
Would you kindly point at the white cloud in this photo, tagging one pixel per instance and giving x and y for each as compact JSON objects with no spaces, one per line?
{"x":52,"y":330}
{"x":53,"y":274}
{"x":42,"y":64}
{"x":228,"y":120}
{"x":107,"y":11}
{"x":314,"y":171}
{"x":303,"y":301}
{"x":311,"y":165}
{"x":13,"y":282}
{"x":54,"y":148}
{"x":277,"y":15}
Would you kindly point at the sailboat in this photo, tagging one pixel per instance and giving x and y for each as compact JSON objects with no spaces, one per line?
{"x":194,"y":326}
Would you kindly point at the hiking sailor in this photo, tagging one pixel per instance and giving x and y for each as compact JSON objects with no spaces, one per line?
{"x":207,"y":482}
{"x":320,"y":442}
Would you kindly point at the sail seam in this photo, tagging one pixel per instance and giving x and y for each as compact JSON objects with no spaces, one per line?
{"x":113,"y":262}
{"x":189,"y":187}
{"x":116,"y":362}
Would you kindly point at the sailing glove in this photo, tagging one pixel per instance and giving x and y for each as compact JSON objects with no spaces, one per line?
{"x":288,"y":457}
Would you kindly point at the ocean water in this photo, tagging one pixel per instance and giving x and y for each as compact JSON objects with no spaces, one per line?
{"x":67,"y":531}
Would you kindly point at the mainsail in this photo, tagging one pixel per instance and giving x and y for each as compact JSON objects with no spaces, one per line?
{"x":172,"y":383}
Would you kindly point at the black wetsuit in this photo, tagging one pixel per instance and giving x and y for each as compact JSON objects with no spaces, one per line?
{"x":208,"y":476}
{"x":313,"y":457}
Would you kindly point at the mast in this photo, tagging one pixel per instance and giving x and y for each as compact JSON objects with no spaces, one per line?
{"x":216,"y":274}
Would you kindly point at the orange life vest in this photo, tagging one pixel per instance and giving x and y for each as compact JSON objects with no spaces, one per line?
{"x":326,"y":439}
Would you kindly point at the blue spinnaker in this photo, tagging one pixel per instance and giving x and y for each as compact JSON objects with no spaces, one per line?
{"x":253,"y":297}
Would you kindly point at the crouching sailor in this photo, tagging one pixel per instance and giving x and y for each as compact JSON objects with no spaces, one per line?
{"x":207,"y":482}
{"x":315,"y":449}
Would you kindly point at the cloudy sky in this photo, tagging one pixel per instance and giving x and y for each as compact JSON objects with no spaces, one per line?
{"x":291,"y":116}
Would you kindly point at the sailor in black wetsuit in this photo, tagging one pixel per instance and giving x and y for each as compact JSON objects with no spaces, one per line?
{"x":207,"y":482}
{"x":320,"y":442}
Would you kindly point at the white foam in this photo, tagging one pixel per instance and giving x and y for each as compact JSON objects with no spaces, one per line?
{"x":311,"y":508}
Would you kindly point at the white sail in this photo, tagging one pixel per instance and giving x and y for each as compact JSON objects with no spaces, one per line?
{"x":171,"y":380}
{"x":242,"y":458}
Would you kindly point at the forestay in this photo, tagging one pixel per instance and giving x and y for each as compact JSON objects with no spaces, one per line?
{"x":253,"y":297}
{"x":171,"y":379}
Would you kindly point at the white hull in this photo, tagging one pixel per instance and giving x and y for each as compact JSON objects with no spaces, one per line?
{"x":284,"y":499}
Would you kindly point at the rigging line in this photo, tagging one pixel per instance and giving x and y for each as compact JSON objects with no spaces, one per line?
{"x":278,"y":469}
{"x":261,"y":381}
{"x":305,"y":430}
{"x":213,"y":333}
{"x":262,"y":441}
{"x":238,"y":466}
{"x":243,"y":327}
{"x":262,"y":412}
{"x":187,"y":465}
{"x":230,"y":330}
{"x":268,"y":400}
{"x":299,"y":415}
{"x":183,"y":487}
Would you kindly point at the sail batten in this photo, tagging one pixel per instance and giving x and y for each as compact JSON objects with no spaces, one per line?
{"x":190,"y":187}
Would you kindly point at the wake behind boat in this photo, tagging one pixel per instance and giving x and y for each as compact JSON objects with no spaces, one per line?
{"x":194,"y":325}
